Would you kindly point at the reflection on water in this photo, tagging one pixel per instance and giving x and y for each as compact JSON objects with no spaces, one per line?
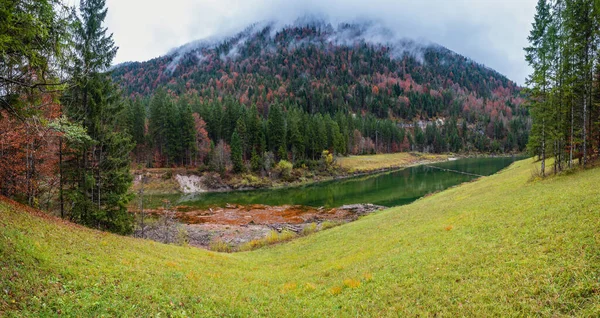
{"x":387,"y":189}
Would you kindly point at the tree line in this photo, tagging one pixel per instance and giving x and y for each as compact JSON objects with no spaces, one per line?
{"x":179,"y":131}
{"x":564,"y":91}
{"x":171,"y":130}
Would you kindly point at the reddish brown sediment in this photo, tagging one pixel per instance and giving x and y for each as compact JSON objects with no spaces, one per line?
{"x":239,"y":224}
{"x":257,"y":214}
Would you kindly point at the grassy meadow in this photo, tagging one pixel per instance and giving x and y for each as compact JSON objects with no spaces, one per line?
{"x":370,"y":163}
{"x":504,"y":245}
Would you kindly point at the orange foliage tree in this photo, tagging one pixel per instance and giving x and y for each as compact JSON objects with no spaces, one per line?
{"x":29,"y":153}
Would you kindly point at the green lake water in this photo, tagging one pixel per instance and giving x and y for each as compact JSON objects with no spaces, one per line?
{"x":388,"y":189}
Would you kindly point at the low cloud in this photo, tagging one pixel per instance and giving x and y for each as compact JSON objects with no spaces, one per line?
{"x":492,"y":32}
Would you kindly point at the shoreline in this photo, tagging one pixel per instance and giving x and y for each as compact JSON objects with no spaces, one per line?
{"x":279,"y":184}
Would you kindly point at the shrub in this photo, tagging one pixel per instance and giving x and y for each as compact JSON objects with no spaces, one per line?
{"x":329,"y":224}
{"x":273,"y":237}
{"x":326,"y":159}
{"x":250,"y":180}
{"x":182,"y":236}
{"x":276,"y":237}
{"x":284,"y":168}
{"x":220,"y":246}
{"x":310,"y":228}
{"x":168,"y":175}
{"x":252,"y":245}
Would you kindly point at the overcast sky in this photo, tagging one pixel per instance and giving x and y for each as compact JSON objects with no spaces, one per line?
{"x":492,"y":32}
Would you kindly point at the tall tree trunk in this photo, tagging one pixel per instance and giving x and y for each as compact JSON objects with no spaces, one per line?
{"x":60,"y":180}
{"x":571,"y":146}
{"x":543,"y":147}
{"x":584,"y":127}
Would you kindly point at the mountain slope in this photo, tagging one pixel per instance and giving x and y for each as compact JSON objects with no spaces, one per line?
{"x":459,"y":252}
{"x":352,"y":68}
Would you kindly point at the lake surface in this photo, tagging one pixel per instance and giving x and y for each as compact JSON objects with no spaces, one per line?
{"x":387,"y":189}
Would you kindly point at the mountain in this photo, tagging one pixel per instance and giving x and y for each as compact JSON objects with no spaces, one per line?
{"x":361,"y":69}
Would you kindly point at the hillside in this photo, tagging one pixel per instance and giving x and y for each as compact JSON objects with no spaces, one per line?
{"x":500,"y":246}
{"x":360,"y":76}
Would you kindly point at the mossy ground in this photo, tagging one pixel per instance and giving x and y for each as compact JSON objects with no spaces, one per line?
{"x":500,"y":246}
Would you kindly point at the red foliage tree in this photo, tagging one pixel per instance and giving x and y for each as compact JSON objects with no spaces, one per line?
{"x":29,"y":154}
{"x":375,"y":90}
{"x":202,"y":140}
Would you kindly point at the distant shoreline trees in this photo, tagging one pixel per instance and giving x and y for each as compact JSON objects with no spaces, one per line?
{"x":287,"y":132}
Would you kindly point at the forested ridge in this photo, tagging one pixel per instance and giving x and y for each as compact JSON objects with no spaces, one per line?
{"x":329,"y":88}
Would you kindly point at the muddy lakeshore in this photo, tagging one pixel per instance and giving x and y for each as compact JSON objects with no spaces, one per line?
{"x":235,"y":225}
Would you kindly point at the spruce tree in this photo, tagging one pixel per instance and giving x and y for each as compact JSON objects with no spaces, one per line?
{"x":187,"y":131}
{"x":137,"y":122}
{"x":157,"y":121}
{"x":296,"y":138}
{"x":236,"y":153}
{"x":242,"y":131}
{"x":275,"y":128}
{"x":563,"y":45}
{"x":173,"y":141}
{"x":537,"y":57}
{"x":419,"y":137}
{"x":98,"y":172}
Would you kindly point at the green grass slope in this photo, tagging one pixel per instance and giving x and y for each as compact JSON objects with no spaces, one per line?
{"x":500,"y":246}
